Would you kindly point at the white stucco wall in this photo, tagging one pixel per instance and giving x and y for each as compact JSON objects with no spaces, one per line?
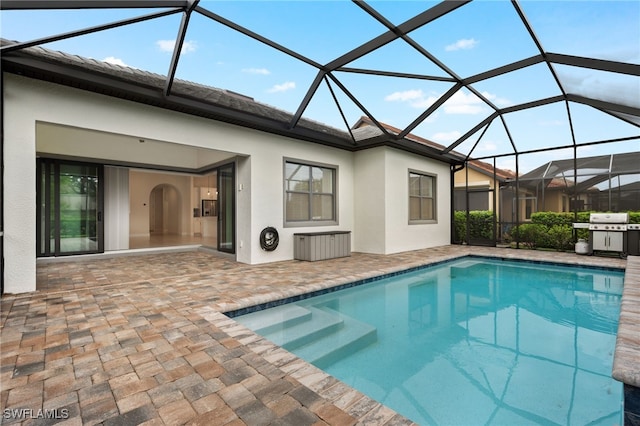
{"x":267,"y":191}
{"x":372,"y":185}
{"x":259,"y":172}
{"x":400,"y":235}
{"x":370,"y":199}
{"x":382,"y":202}
{"x":19,"y":191}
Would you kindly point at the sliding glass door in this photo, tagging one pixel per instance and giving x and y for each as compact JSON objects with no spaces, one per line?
{"x":70,"y":205}
{"x":226,"y":208}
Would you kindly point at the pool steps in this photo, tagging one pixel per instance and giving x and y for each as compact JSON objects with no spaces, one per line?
{"x":351,"y":337}
{"x":318,"y":325}
{"x":315,"y":334}
{"x":269,"y":321}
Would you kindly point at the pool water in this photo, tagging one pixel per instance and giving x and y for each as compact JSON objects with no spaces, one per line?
{"x":471,"y":341}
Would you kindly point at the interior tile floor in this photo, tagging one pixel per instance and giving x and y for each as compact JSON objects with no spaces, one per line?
{"x":143,"y":339}
{"x":162,"y":240}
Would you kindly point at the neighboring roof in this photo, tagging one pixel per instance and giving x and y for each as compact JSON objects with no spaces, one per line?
{"x":187,"y":97}
{"x":589,"y":171}
{"x":366,"y":127}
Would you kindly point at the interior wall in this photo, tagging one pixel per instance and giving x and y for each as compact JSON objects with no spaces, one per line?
{"x":141,"y":185}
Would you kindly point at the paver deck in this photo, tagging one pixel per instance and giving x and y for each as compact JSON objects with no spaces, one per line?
{"x":144,"y":340}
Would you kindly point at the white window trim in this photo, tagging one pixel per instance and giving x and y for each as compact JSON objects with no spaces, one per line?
{"x":435,"y":198}
{"x":307,"y":223}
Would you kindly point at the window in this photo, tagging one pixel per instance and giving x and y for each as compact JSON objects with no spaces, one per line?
{"x":310,"y":194}
{"x":422,"y":198}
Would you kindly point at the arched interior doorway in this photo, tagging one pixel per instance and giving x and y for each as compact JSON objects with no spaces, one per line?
{"x":164,"y":210}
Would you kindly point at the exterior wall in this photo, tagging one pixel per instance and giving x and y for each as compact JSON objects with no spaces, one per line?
{"x":370,"y":199}
{"x":553,"y":201}
{"x":400,"y":235}
{"x":259,"y":195}
{"x":382,"y":202}
{"x":478,"y":180}
{"x":475,"y":179}
{"x":19,"y":188}
{"x":266,"y":187}
{"x":382,"y":225}
{"x":244,"y":215}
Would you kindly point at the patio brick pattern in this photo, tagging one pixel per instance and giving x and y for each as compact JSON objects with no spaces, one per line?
{"x":143,"y":340}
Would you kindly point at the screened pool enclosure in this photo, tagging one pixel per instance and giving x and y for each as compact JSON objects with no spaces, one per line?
{"x":536,"y":105}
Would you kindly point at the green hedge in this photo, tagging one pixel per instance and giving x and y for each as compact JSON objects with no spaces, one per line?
{"x":480,"y":225}
{"x":546,"y":229}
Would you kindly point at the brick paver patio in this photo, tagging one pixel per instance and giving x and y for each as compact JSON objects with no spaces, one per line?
{"x":143,"y":340}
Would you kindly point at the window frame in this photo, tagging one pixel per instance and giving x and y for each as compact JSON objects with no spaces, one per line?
{"x":310,"y":222}
{"x":434,"y":197}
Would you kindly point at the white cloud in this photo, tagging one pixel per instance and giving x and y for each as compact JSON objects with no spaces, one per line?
{"x":407,"y":95}
{"x":169,"y":45}
{"x":289,"y":85}
{"x":415,"y":98}
{"x":462,"y":44}
{"x":446,"y":137}
{"x":461,"y":102}
{"x":487,"y":146}
{"x":115,"y":61}
{"x":496,"y":99}
{"x":259,"y":71}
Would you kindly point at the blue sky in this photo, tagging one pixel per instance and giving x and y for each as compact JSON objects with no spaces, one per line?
{"x":474,"y":38}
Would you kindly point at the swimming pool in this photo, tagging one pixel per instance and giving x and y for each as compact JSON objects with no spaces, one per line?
{"x":471,"y":341}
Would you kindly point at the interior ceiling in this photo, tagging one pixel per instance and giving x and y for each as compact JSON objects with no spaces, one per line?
{"x":342,"y":74}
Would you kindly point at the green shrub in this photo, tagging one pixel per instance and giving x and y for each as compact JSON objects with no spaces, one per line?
{"x":480,"y":225}
{"x":531,"y":235}
{"x":459,"y":227}
{"x":546,"y":229}
{"x":550,"y":219}
{"x":560,"y":237}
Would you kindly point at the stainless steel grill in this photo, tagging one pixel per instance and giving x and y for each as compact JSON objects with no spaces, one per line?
{"x":608,"y":232}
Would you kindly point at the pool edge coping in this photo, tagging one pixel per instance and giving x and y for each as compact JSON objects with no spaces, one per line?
{"x":249,"y":305}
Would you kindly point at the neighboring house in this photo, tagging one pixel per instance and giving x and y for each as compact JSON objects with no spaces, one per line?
{"x":599,"y":183}
{"x":482,"y":182}
{"x":96,"y":153}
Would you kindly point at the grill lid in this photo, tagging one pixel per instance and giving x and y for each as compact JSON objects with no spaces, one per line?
{"x":609,"y":218}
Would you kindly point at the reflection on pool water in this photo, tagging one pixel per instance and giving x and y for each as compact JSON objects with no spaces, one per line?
{"x":471,"y":341}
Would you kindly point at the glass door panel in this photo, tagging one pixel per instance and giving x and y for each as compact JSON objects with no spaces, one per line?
{"x":79,"y":214}
{"x":226,"y":208}
{"x":69,"y":208}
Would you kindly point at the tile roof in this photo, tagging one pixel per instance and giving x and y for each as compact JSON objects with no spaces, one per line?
{"x":365,"y":126}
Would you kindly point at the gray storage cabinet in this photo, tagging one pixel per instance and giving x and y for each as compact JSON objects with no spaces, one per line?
{"x":314,"y":246}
